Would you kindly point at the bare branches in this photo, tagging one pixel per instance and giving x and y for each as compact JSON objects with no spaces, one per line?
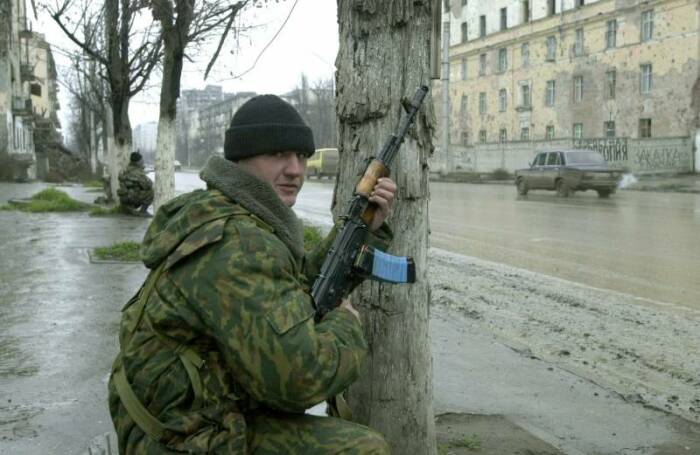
{"x":231,"y":17}
{"x":86,"y":44}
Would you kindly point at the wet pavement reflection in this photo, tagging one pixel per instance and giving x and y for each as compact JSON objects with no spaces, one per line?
{"x":642,"y":243}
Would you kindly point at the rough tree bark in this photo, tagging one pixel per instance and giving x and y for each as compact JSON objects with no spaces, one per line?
{"x":384,"y":56}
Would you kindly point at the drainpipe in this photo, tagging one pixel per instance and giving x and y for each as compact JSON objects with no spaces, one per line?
{"x":446,"y":95}
{"x":696,"y":163}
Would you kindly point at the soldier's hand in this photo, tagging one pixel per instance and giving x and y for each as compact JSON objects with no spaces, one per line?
{"x":345,"y":303}
{"x":383,"y":195}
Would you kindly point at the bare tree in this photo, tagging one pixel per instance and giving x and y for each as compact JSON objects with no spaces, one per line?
{"x":316,"y":104}
{"x":127,"y":68}
{"x":384,"y":57}
{"x":183,"y":22}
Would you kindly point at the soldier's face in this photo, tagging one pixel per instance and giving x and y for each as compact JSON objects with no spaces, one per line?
{"x":283,"y":170}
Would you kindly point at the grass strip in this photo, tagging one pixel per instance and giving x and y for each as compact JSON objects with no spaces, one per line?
{"x":122,"y":251}
{"x":48,"y":200}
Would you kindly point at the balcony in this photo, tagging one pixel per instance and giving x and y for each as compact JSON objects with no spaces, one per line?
{"x":22,"y":106}
{"x":26,"y":72}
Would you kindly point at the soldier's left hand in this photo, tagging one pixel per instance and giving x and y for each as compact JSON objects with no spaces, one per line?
{"x":383,"y":196}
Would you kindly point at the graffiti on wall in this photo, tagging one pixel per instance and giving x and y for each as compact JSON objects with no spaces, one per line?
{"x":659,"y":158}
{"x":613,"y":149}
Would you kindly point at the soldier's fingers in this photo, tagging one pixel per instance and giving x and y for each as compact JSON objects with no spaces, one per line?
{"x":386,"y":183}
{"x":383,"y":192}
{"x":383,"y":204}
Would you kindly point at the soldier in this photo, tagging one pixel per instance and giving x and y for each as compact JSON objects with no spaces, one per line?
{"x":219,"y":352}
{"x":135,"y":188}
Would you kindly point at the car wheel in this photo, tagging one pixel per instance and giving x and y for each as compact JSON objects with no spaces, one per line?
{"x":562,"y":188}
{"x":603,"y":193}
{"x":522,"y":187}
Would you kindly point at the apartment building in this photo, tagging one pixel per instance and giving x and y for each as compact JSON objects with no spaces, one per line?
{"x":580,"y":70}
{"x":16,"y":125}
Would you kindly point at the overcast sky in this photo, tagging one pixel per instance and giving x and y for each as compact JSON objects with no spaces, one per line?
{"x":307,"y":43}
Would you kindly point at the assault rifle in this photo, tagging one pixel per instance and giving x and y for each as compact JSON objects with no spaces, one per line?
{"x":349,"y":259}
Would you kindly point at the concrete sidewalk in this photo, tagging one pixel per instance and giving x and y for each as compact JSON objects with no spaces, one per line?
{"x":58,"y":336}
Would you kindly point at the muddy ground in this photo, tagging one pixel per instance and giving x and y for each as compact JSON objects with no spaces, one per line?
{"x":645,"y":352}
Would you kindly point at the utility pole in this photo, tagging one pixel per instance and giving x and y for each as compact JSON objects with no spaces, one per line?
{"x":446,"y":95}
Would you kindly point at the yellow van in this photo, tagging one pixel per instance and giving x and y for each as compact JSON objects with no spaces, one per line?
{"x":323,"y":163}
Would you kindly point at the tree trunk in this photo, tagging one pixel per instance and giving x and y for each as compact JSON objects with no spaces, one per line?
{"x":384,"y":56}
{"x":175,"y":21}
{"x":165,"y":167}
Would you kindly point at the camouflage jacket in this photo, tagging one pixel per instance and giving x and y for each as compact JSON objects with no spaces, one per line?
{"x":135,"y":188}
{"x":234,"y":287}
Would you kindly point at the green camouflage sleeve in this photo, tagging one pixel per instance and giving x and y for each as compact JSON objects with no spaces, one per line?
{"x":250,"y":299}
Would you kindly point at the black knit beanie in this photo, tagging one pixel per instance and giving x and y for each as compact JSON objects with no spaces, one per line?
{"x":135,"y":157}
{"x":267,"y":124}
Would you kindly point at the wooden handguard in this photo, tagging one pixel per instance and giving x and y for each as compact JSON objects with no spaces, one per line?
{"x":374,"y":172}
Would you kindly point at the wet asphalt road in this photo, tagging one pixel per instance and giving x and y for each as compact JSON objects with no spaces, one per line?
{"x":644,"y":244}
{"x":58,"y":324}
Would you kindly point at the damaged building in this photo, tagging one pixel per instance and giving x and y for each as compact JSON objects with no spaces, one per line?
{"x":618,"y":76}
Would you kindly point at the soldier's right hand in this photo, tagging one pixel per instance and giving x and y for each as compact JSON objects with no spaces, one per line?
{"x":345,"y":303}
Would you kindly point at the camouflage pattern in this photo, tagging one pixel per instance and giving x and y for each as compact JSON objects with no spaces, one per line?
{"x":233,"y":291}
{"x":135,"y":188}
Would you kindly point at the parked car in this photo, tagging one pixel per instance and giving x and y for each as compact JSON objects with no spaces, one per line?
{"x":178,"y":166}
{"x":323,"y":163}
{"x":567,"y":171}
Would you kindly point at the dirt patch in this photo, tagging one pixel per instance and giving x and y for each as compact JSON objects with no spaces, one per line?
{"x":462,"y":434}
{"x":646,"y":352}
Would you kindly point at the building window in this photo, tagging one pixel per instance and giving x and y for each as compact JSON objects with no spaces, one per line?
{"x":525,"y":95}
{"x":525,"y":53}
{"x":580,"y":2}
{"x":525,"y":10}
{"x":446,"y":6}
{"x":502,"y":60}
{"x":482,"y":102}
{"x":482,"y":26}
{"x":463,"y":68}
{"x":578,"y":89}
{"x":463,"y":108}
{"x":504,"y":18}
{"x":482,"y":64}
{"x":549,"y":132}
{"x":482,"y":136}
{"x":644,"y":127}
{"x":551,"y":93}
{"x":551,"y":7}
{"x":578,"y":43}
{"x":578,"y":130}
{"x":503,"y":135}
{"x":525,"y":134}
{"x":611,"y":34}
{"x":465,"y":36}
{"x":465,"y":137}
{"x":609,"y":129}
{"x":610,"y":84}
{"x":551,"y":48}
{"x":502,"y":100}
{"x":646,"y":82}
{"x":647,"y":25}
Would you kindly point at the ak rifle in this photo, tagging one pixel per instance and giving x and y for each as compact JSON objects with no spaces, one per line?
{"x":349,"y":261}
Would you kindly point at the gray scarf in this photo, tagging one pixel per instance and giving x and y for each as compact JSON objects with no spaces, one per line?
{"x":259,"y":198}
